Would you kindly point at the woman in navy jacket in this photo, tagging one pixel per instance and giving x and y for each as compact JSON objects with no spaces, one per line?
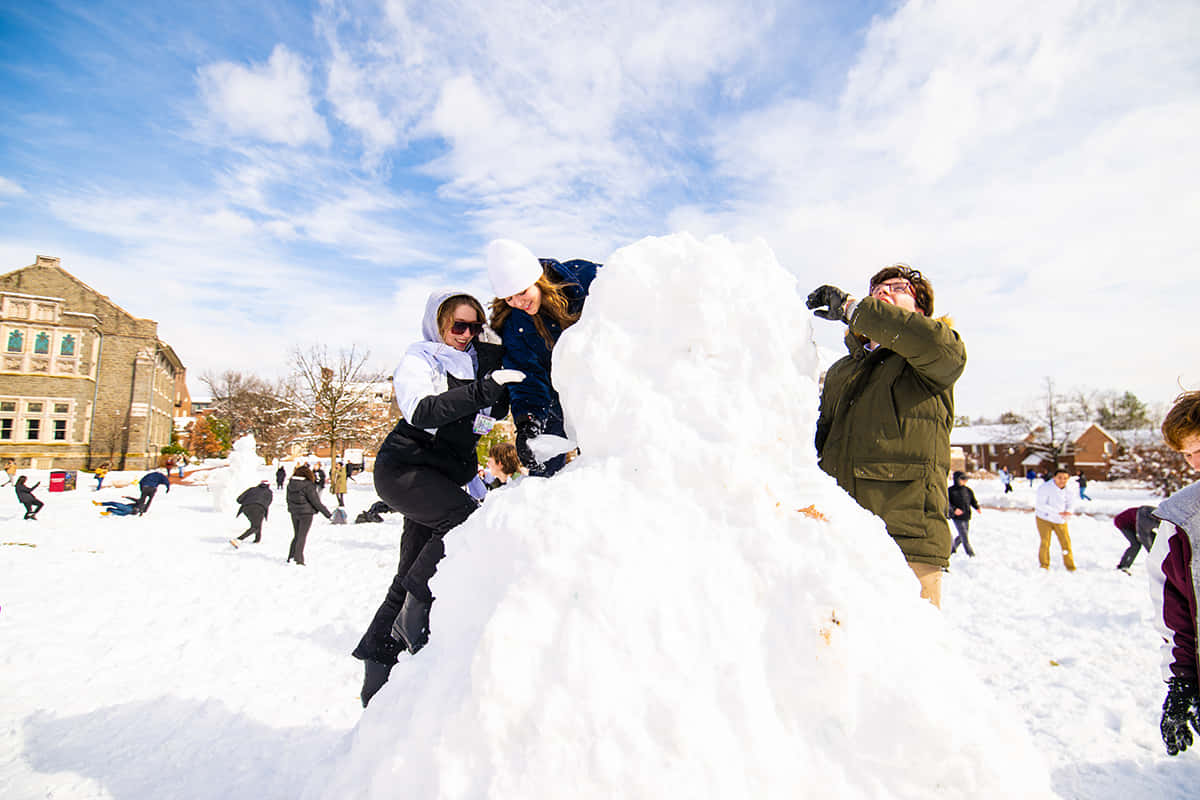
{"x":536,"y":300}
{"x":448,"y":391}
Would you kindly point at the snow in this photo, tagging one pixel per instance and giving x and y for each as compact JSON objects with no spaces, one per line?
{"x":656,"y":620}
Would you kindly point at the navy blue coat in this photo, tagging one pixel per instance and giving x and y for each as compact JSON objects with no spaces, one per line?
{"x":154,"y":479}
{"x":526,"y":350}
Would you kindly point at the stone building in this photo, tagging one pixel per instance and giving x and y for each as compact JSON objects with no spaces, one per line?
{"x":82,"y":381}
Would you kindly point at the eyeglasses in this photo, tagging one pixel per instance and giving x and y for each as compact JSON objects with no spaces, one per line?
{"x":459,"y":327}
{"x":893,"y":287}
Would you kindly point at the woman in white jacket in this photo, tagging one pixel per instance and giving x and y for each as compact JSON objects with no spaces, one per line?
{"x":449,"y":392}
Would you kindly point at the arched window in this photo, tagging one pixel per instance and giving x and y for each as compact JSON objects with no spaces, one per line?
{"x":67,"y":348}
{"x":41,"y":344}
{"x":16,"y":341}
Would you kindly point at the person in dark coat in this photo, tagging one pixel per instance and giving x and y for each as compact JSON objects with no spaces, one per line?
{"x":319,"y":477}
{"x":447,"y":389}
{"x":886,"y":411}
{"x":1139,"y":526}
{"x":254,"y":503}
{"x":962,"y":500}
{"x":280,"y":477}
{"x":302,"y":503}
{"x":149,"y":485}
{"x":536,"y":300}
{"x":25,"y":495}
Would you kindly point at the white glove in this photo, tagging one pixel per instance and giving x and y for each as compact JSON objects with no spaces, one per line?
{"x":503,"y":376}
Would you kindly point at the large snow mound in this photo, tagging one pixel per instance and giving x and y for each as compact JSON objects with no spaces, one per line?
{"x":661,"y":619}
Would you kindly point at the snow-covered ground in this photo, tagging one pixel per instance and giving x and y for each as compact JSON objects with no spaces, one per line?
{"x":146,"y":657}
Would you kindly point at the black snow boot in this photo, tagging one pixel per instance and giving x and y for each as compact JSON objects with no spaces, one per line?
{"x":412,"y":624}
{"x":376,"y":676}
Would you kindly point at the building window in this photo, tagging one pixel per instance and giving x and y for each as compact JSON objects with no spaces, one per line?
{"x":67,"y":348}
{"x":41,"y":344}
{"x":8,"y":406}
{"x":6,"y":427}
{"x":16,"y":341}
{"x":33,"y":429}
{"x":60,"y":430}
{"x":33,"y":408}
{"x":61,"y":408}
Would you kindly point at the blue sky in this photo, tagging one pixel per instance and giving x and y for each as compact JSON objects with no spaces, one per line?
{"x":258,"y":176}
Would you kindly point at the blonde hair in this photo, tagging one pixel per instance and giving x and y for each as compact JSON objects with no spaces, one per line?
{"x":553,"y":306}
{"x":445,"y":312}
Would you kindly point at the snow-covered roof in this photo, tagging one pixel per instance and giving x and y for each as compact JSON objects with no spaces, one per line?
{"x":988,"y":434}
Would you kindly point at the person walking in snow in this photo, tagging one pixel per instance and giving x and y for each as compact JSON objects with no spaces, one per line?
{"x":337,"y":483}
{"x":1051,"y":509}
{"x":25,"y":496}
{"x":303,"y":502}
{"x":883,"y":431}
{"x":1173,"y":582}
{"x":319,"y":477}
{"x":10,"y":469}
{"x":280,"y":477}
{"x":536,"y":300}
{"x":1006,"y":479}
{"x":254,"y":503}
{"x":1030,"y":475}
{"x":101,"y":471}
{"x":149,"y":485}
{"x":448,"y":389}
{"x":962,"y":500}
{"x":1138,"y":525}
{"x":1083,"y":482}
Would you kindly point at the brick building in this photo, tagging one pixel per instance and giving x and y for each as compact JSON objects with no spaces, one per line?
{"x":82,"y":381}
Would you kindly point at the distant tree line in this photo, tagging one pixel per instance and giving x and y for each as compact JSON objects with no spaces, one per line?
{"x":1056,"y":418}
{"x":327,"y":398}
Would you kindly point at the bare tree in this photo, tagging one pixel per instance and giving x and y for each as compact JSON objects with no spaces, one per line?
{"x":250,"y":404}
{"x":335,"y":395}
{"x":1056,"y":420}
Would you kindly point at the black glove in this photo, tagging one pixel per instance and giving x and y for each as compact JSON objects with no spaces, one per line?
{"x":830,"y":296}
{"x":1179,"y":709}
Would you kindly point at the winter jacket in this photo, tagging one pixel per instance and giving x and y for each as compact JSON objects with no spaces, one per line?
{"x":1052,"y":502}
{"x":25,"y":491}
{"x":260,"y":495}
{"x":526,"y":350}
{"x":154,"y":480}
{"x":1141,"y":522}
{"x":884,"y":426}
{"x":303,"y":500}
{"x":440,"y":397}
{"x":962,"y":497}
{"x":337,"y":480}
{"x":1173,"y":581}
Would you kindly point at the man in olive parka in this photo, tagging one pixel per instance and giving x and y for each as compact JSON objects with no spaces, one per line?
{"x":887,"y":409}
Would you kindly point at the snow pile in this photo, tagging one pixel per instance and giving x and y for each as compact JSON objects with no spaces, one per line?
{"x":242,"y":473}
{"x":691,"y":608}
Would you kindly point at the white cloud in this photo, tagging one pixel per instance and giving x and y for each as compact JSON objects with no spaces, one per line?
{"x":270,"y":101}
{"x":10,"y":188}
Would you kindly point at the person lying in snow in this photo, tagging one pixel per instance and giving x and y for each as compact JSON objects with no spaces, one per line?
{"x":449,"y":392}
{"x":118,"y":509}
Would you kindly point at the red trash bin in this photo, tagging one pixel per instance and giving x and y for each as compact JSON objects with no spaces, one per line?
{"x":57,"y":479}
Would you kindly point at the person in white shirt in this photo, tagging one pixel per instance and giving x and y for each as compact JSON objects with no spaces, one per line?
{"x":1051,"y":511}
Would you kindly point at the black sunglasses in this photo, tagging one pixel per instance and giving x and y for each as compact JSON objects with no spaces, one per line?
{"x":458,"y":327}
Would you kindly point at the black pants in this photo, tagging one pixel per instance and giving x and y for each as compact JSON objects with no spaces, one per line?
{"x":432,"y":505}
{"x":32,"y":507}
{"x":143,"y":502}
{"x":255,"y":514}
{"x":300,"y":525}
{"x":530,"y":427}
{"x":962,"y":525}
{"x":1131,"y":552}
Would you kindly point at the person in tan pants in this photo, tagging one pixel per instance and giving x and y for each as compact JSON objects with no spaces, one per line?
{"x":1051,"y":510}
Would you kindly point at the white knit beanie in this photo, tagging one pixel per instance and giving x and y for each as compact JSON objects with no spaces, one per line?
{"x":512,"y":267}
